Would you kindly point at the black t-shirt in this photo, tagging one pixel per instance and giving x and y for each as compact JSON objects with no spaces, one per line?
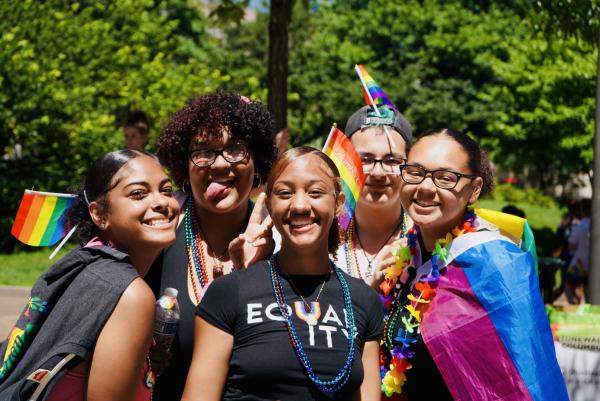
{"x":263,"y":364}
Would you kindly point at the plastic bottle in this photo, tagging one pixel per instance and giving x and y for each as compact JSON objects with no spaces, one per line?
{"x":167,"y":319}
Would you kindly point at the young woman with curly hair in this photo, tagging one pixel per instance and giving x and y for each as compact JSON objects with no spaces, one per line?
{"x":217,"y":147}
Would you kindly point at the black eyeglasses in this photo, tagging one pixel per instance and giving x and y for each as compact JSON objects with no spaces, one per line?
{"x":234,"y":153}
{"x":388,"y":164}
{"x":443,"y":179}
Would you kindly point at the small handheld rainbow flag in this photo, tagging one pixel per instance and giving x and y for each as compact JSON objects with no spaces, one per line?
{"x":372,"y":92}
{"x":341,"y":151}
{"x":41,"y":217}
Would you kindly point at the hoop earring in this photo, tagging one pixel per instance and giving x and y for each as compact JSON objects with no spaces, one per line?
{"x":184,"y":184}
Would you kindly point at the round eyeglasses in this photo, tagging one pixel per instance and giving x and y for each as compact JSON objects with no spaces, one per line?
{"x":388,"y":164}
{"x":234,"y":153}
{"x":443,"y":179}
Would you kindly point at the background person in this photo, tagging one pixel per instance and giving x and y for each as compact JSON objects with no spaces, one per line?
{"x":135,"y":130}
{"x":245,"y":348}
{"x":93,"y":303}
{"x":217,"y":147}
{"x":579,"y":244}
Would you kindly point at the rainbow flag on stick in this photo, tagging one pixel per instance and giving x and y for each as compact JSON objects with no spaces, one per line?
{"x":341,"y":151}
{"x":40,"y":220}
{"x":372,"y":92}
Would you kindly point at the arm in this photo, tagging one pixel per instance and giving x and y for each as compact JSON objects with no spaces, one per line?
{"x":210,"y":363}
{"x":371,"y":386}
{"x":121,"y":348}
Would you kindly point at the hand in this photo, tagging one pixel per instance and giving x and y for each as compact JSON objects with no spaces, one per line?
{"x":386,"y":260}
{"x":256,"y":243}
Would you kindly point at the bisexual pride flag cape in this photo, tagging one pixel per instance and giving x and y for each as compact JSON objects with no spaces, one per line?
{"x":341,"y":151}
{"x":486,"y":328}
{"x":40,"y":220}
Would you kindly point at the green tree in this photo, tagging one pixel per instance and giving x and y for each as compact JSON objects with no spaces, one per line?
{"x":66,"y":71}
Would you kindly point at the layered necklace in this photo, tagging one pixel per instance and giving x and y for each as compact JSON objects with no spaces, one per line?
{"x":351,"y":239}
{"x":195,"y":251}
{"x":338,"y":382}
{"x":405,"y":309}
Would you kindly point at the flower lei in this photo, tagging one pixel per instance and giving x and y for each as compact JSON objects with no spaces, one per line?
{"x":396,"y":350}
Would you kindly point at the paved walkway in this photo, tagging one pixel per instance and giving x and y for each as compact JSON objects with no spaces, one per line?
{"x":12,"y":303}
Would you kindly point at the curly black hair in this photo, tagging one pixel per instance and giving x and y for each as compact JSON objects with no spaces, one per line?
{"x":209,"y":114}
{"x":479,"y":163}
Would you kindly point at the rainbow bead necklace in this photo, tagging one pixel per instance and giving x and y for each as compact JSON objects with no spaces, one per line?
{"x":407,"y":311}
{"x":350,"y":239}
{"x":193,"y":246}
{"x":338,"y":382}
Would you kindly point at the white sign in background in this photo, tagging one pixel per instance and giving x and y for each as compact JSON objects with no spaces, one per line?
{"x":581,"y":370}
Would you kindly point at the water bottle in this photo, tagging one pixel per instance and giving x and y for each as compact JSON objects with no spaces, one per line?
{"x":167,"y":319}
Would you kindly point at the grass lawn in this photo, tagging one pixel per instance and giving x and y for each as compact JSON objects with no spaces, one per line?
{"x":24,"y":267}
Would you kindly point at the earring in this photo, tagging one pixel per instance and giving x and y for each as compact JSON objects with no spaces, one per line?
{"x":185,"y":182}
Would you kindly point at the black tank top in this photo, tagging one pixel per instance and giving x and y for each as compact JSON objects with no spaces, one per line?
{"x":170,"y":270}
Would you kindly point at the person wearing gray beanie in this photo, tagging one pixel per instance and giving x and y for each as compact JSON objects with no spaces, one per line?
{"x":382,"y":138}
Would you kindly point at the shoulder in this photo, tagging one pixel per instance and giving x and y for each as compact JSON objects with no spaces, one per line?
{"x":137,"y":297}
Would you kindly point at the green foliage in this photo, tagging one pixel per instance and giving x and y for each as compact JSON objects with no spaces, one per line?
{"x":511,"y":194}
{"x":68,"y":69}
{"x":23,"y":268}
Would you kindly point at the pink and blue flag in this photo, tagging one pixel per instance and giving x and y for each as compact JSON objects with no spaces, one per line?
{"x":487,"y":329}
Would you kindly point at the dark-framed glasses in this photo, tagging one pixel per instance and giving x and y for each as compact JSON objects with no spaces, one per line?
{"x":444,"y":179}
{"x":234,"y":153}
{"x":388,"y":164}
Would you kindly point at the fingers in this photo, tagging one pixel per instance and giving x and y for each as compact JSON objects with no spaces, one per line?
{"x":256,"y":216}
{"x":267,"y":223}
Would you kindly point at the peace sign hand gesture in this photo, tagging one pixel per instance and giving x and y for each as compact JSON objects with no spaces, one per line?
{"x":256,"y":243}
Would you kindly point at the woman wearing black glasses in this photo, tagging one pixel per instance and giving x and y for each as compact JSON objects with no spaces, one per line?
{"x":466,"y":320}
{"x":217,"y":148}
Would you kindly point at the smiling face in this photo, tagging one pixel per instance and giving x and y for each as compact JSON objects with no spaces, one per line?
{"x":303,"y":202}
{"x":431,"y":208}
{"x":142,"y":210}
{"x":223,"y":186}
{"x":381,"y":189}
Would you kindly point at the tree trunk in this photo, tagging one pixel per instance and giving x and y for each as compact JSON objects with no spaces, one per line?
{"x":277,"y":73}
{"x":593,"y":287}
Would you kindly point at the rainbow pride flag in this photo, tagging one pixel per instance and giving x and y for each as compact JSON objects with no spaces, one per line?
{"x":339,"y":149}
{"x":372,"y":92}
{"x":487,"y":329}
{"x":41,"y":217}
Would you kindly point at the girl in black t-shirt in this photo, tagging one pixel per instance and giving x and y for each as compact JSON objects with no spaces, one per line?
{"x":294,"y":327}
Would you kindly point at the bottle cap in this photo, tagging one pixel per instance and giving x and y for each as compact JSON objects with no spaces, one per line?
{"x":171,"y":292}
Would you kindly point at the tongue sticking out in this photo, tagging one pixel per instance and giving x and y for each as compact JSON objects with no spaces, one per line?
{"x":215,"y":189}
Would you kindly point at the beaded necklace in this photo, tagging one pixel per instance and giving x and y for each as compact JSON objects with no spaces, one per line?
{"x":350,"y":240}
{"x":193,"y":246}
{"x":405,"y":309}
{"x":338,"y":382}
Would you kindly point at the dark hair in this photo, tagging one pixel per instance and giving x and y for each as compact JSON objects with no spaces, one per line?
{"x":291,"y":155}
{"x":209,"y":114}
{"x":515,"y":211}
{"x":479,"y":163}
{"x":139,"y":120}
{"x":95,"y":187}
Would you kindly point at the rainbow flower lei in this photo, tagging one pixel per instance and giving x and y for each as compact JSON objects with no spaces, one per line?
{"x":403,"y":315}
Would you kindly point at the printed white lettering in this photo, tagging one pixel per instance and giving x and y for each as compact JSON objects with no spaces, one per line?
{"x":328,"y":330}
{"x":253,"y":314}
{"x":270,"y":315}
{"x":330,"y":315}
